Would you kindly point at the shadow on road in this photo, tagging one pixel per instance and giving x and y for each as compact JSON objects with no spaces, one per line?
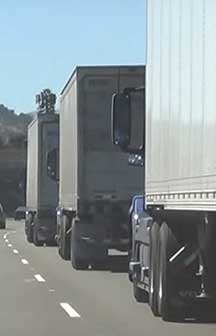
{"x":195,"y":320}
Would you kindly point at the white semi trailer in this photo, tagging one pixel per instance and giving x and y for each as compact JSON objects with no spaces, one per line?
{"x":173,"y":260}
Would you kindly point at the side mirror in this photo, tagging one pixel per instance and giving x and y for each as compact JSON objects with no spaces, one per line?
{"x":121,"y":120}
{"x":53,"y":164}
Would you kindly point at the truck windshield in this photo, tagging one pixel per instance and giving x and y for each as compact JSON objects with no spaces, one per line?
{"x":139,"y":205}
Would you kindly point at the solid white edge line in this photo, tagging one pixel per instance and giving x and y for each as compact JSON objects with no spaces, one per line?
{"x":69,"y":310}
{"x":24,"y":261}
{"x":15,"y":251}
{"x":39,"y":278}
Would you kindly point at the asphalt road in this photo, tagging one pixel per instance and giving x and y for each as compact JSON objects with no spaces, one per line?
{"x":40,"y":294}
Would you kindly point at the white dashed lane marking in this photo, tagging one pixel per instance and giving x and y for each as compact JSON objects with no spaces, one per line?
{"x":24,"y":261}
{"x":69,"y":310}
{"x":15,"y":251}
{"x":72,"y":313}
{"x":39,"y":278}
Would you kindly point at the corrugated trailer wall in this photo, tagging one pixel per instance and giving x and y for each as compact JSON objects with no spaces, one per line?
{"x":32,"y":166}
{"x":181,"y":103}
{"x":104,"y":170}
{"x":91,"y":168}
{"x":68,"y":147}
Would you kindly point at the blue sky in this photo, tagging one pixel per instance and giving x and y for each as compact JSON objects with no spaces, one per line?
{"x":41,"y":41}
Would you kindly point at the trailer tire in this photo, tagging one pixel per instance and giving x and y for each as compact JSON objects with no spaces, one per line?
{"x":166,"y":286}
{"x":79,"y":255}
{"x":65,"y":238}
{"x":28,"y":228}
{"x":153,"y":271}
{"x":36,"y":241}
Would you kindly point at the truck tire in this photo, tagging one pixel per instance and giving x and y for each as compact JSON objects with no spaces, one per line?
{"x":139,"y":293}
{"x":29,"y":228}
{"x":36,"y":241}
{"x":207,"y":247}
{"x":79,"y":252}
{"x":78,"y":263}
{"x":166,"y":286}
{"x":3,"y":224}
{"x":153,"y":270}
{"x":100,"y":264}
{"x":65,"y":238}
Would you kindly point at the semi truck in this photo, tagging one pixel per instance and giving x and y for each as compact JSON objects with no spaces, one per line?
{"x":173,"y":259}
{"x":95,"y":183}
{"x":42,"y":173}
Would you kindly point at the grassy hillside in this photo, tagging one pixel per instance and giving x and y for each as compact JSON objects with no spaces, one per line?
{"x":13,"y":132}
{"x":13,"y":127}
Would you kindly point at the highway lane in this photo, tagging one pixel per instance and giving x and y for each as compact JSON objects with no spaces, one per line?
{"x":42,"y":295}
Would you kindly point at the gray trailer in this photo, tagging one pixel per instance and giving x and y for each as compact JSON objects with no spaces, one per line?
{"x":173,"y":261}
{"x":42,"y":182}
{"x":96,"y":184}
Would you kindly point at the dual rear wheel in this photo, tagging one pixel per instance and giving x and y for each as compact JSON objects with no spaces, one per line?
{"x":162,"y":289}
{"x":64,"y":243}
{"x":72,"y":247}
{"x":166,"y":289}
